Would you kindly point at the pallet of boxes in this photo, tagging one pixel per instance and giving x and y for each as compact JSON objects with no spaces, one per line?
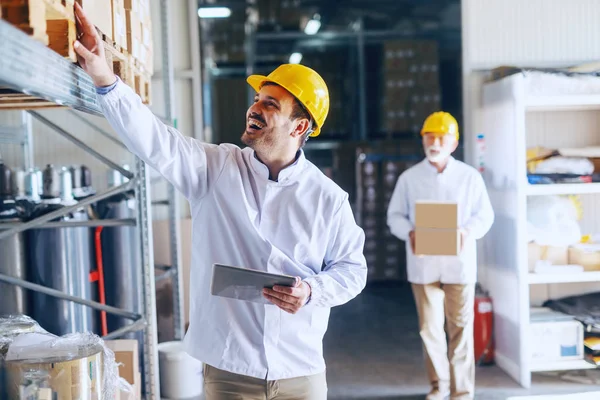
{"x":124,"y":25}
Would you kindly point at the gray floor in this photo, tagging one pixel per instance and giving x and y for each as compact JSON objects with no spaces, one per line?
{"x":373,"y":351}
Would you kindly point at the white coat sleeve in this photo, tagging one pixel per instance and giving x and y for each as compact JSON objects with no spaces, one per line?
{"x":190,"y":165}
{"x":398,"y":211}
{"x":345,"y":273}
{"x":482,"y":217}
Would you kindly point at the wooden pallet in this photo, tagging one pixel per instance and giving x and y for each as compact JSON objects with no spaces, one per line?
{"x":139,"y":80}
{"x":118,"y":61}
{"x":11,"y":100}
{"x":52,"y":22}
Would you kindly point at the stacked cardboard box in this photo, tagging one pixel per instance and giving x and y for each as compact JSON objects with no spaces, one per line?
{"x":119,"y":27}
{"x":228,"y":38}
{"x":411,"y":84}
{"x":331,"y":64}
{"x":436,"y":229}
{"x":385,"y":254}
{"x":280,"y":14}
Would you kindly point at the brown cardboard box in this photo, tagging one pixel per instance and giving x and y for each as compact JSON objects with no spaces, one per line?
{"x":119,"y":27}
{"x":556,"y":255}
{"x":437,"y":215}
{"x":101,"y":14}
{"x":586,"y":255}
{"x":437,"y":242}
{"x":126,"y":353}
{"x":134,"y":34}
{"x":436,"y":228}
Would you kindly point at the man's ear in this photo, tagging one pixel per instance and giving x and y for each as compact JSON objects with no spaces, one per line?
{"x":300,"y":127}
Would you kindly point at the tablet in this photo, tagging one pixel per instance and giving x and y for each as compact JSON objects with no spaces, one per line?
{"x":245,"y":284}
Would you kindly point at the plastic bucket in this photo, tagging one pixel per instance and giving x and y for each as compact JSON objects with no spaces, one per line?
{"x":180,"y":373}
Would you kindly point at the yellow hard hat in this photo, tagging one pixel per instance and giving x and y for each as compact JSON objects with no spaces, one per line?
{"x":305,"y":84}
{"x":440,"y":123}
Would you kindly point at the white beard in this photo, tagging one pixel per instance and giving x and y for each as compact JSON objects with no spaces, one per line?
{"x":441,"y":155}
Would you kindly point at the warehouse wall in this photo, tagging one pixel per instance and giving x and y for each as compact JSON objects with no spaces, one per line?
{"x":51,"y":148}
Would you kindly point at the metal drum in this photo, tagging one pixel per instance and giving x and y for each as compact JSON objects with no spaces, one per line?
{"x":120,"y":259}
{"x":13,"y":299}
{"x":61,"y":258}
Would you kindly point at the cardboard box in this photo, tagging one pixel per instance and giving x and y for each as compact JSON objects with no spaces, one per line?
{"x":586,"y":255}
{"x":101,"y":14}
{"x":119,"y":27}
{"x":437,"y":242}
{"x":127,"y":354}
{"x":554,"y":337}
{"x":556,"y":255}
{"x":436,"y":215}
{"x":133,"y":27}
{"x":436,"y":229}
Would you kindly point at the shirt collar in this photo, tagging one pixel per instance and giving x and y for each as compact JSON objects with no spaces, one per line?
{"x":285,"y":175}
{"x":431,"y":168}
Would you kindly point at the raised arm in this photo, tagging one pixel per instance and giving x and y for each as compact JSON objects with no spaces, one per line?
{"x":190,"y":165}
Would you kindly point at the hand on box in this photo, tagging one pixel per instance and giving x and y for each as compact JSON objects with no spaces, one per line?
{"x":411,"y":236}
{"x":463,"y":238}
{"x":90,"y":51}
{"x":289,"y":299}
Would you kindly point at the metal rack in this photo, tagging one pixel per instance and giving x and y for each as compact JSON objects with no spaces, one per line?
{"x":29,"y":67}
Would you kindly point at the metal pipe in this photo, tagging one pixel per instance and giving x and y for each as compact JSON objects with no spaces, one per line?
{"x":362,"y":92}
{"x":65,"y":210}
{"x":60,"y":295}
{"x":77,"y":224}
{"x":136,"y":326}
{"x":82,"y":145}
{"x":101,"y":131}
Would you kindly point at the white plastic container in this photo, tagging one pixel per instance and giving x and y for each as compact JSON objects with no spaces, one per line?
{"x":180,"y":373}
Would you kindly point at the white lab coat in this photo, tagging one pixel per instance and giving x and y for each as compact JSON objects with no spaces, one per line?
{"x":301,"y":225}
{"x":458,"y":183}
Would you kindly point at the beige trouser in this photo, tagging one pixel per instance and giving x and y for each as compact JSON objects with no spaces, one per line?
{"x":449,"y":365}
{"x":223,"y":385}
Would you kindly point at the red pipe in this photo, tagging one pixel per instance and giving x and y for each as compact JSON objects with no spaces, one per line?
{"x":99,"y":275}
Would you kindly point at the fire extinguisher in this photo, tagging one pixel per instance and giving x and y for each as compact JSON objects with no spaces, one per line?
{"x":483,"y":329}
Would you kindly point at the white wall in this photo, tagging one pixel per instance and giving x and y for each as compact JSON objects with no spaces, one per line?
{"x":51,"y":148}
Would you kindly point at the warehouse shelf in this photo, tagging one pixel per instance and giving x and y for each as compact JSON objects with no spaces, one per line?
{"x":28,"y":66}
{"x":564,"y":278}
{"x":33,"y":76}
{"x":563,"y":103}
{"x":563,"y":189}
{"x":562,"y":366}
{"x":513,"y":123}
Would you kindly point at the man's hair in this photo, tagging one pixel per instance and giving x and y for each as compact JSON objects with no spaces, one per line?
{"x":298,"y":111}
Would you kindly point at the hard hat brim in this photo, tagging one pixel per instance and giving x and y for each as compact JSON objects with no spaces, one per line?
{"x":256,"y":82}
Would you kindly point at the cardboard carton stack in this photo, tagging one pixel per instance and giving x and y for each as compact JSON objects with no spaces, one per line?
{"x":411,"y":85}
{"x":436,"y":229}
{"x":385,"y":254}
{"x":279,"y":14}
{"x":331,"y":64}
{"x":228,"y":38}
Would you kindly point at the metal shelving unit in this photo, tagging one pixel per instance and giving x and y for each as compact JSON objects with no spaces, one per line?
{"x":29,"y":67}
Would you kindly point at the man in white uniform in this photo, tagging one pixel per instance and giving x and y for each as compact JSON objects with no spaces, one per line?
{"x":264,"y":207}
{"x":444,"y":286}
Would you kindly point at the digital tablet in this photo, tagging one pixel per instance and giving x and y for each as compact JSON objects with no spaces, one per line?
{"x":244,"y":283}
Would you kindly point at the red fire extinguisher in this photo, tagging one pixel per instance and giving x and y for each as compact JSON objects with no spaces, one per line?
{"x":484,"y":328}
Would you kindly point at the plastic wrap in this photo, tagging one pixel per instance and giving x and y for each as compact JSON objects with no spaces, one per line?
{"x":75,"y":366}
{"x":565,"y":165}
{"x":12,"y":326}
{"x":553,"y":221}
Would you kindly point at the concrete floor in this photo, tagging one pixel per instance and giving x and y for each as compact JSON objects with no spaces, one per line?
{"x":373,"y":351}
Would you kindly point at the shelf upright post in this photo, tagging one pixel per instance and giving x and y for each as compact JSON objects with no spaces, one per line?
{"x":174,"y":212}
